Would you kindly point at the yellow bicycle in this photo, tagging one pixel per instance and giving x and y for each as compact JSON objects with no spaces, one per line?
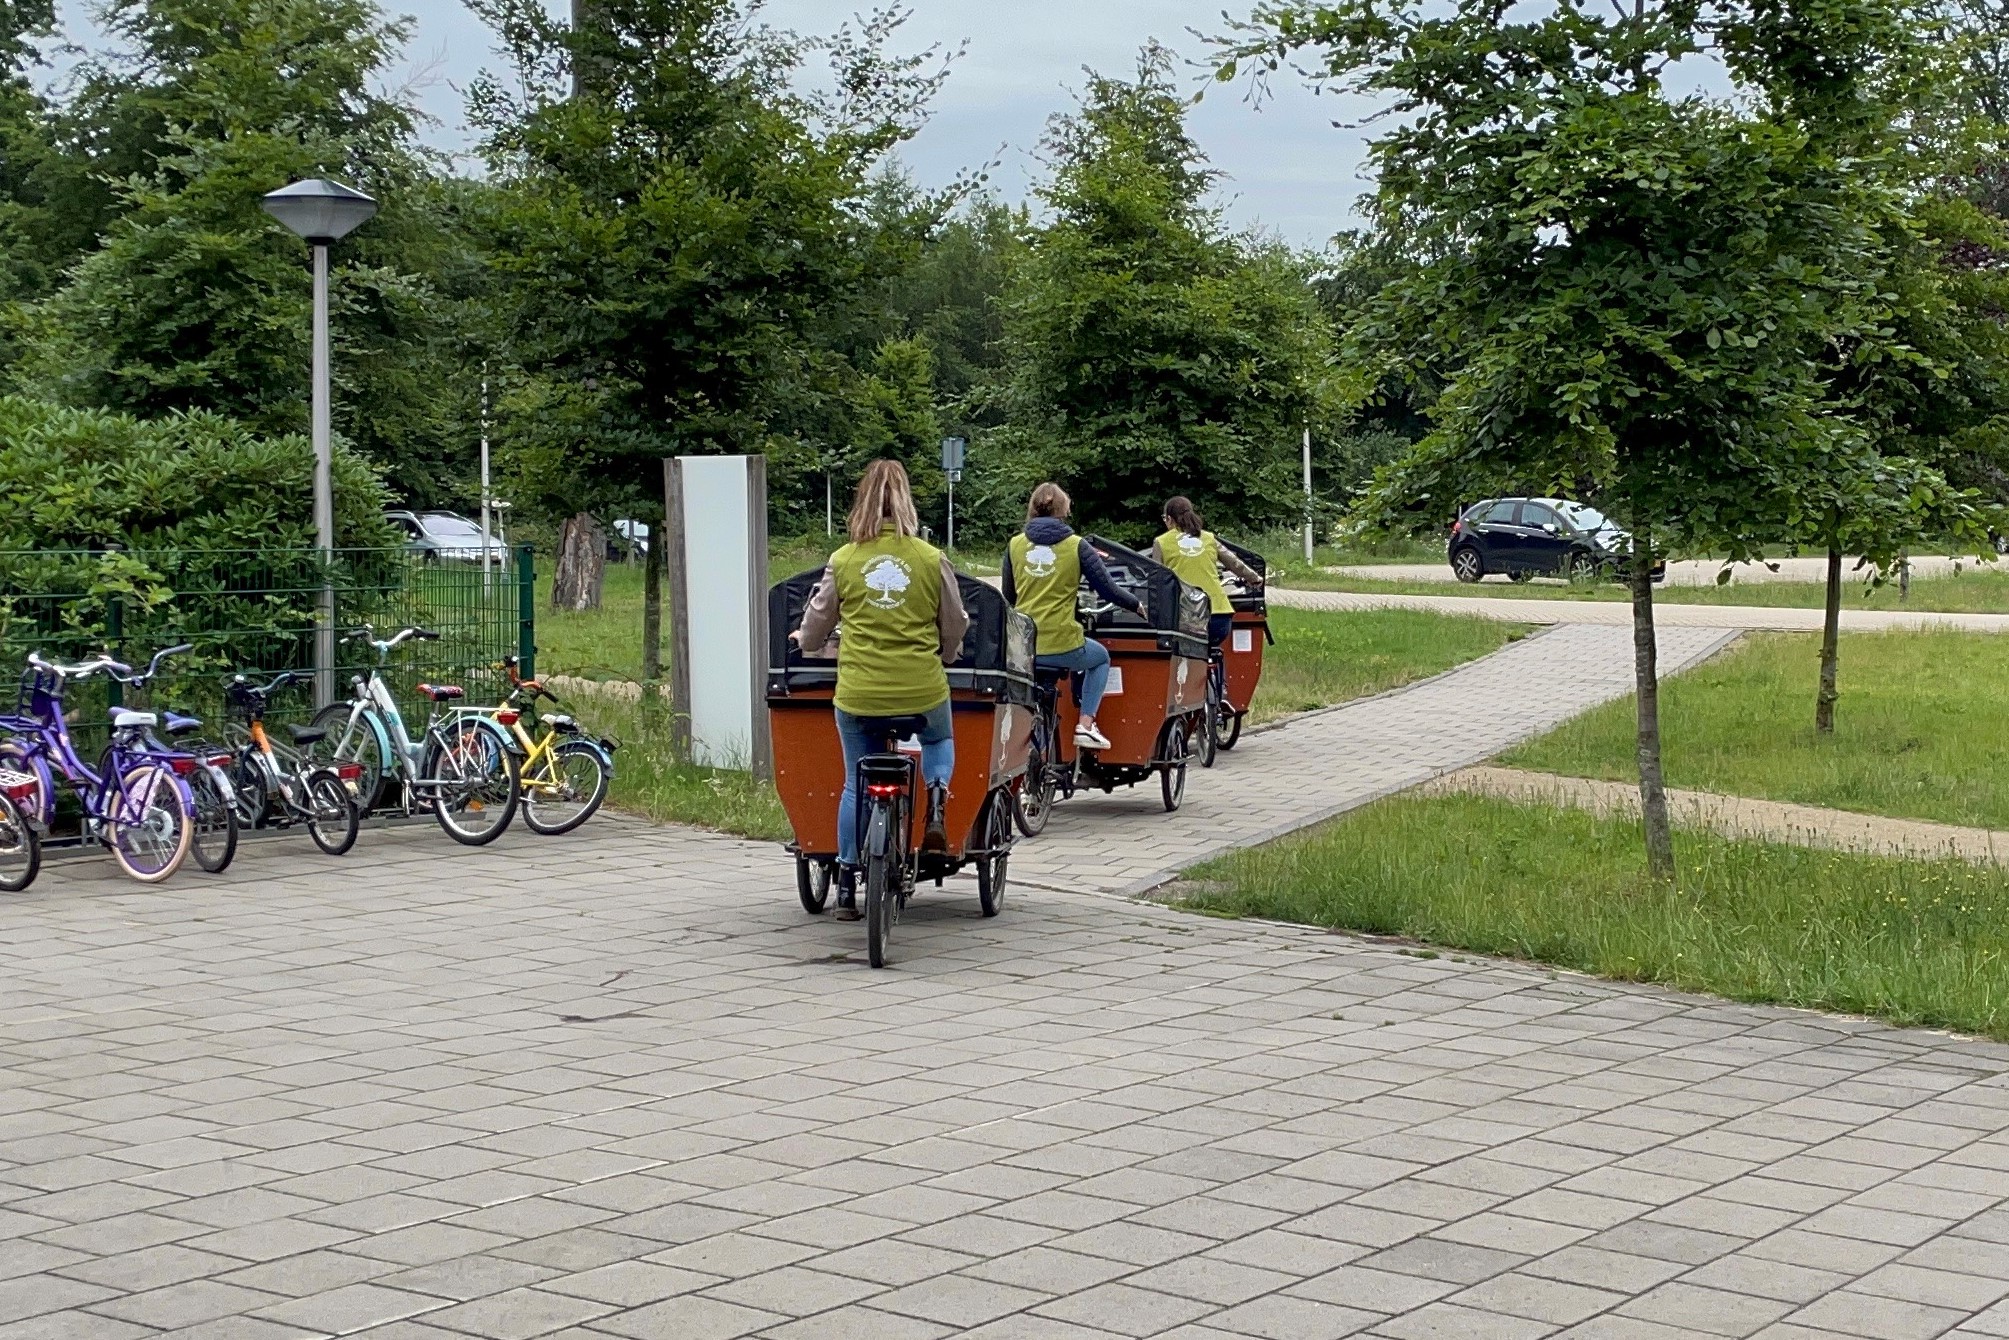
{"x":564,"y":772}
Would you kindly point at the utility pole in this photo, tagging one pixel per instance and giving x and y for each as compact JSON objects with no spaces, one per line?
{"x":484,"y":479}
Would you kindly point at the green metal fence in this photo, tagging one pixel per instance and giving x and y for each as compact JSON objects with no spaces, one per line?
{"x":256,"y":611}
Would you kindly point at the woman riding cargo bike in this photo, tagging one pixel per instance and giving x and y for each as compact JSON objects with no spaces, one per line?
{"x":1044,"y":566}
{"x":1198,"y":556}
{"x":903,"y":621}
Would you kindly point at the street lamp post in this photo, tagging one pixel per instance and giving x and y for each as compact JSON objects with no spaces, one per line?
{"x":321,"y":211}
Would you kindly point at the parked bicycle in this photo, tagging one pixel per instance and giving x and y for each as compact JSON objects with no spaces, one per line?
{"x":278,"y":785}
{"x":20,"y":840}
{"x":137,"y":804}
{"x":213,"y":838}
{"x":462,"y":767}
{"x":565,"y":772}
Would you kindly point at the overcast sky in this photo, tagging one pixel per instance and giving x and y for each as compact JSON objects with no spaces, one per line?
{"x":1289,"y":168}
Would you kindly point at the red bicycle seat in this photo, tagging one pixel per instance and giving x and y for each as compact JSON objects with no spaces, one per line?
{"x":441,"y":693}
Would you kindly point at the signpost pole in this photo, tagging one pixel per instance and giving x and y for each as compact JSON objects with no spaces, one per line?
{"x":952,"y":466}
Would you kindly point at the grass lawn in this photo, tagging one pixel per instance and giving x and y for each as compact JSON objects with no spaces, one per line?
{"x":650,"y":782}
{"x":1918,"y":730}
{"x":1322,"y":659}
{"x":1974,"y":592}
{"x":1911,"y":941}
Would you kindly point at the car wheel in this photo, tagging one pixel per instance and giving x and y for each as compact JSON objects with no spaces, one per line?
{"x":1582,"y":568}
{"x":1466,"y":564}
{"x":1520,"y":575}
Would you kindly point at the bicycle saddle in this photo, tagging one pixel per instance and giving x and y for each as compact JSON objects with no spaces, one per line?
{"x":442,"y":693}
{"x":307,"y":734}
{"x":124,"y":720}
{"x":178,"y":724}
{"x":1049,"y":674}
{"x":558,"y":720}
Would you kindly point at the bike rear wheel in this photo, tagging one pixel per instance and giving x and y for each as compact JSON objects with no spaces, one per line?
{"x":20,"y":848}
{"x":1232,"y":732}
{"x":567,"y":789}
{"x":475,"y":783}
{"x":997,"y":840}
{"x":812,"y":883}
{"x":213,"y":841}
{"x":346,"y":744}
{"x":1172,"y":766}
{"x":882,"y":880}
{"x":1032,"y":798}
{"x":150,"y":827}
{"x":332,"y":820}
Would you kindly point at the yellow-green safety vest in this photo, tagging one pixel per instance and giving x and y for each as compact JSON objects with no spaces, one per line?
{"x":1045,"y":579}
{"x":1197,"y":561}
{"x":889,"y":594}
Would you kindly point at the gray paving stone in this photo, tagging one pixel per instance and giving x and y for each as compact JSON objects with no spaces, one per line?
{"x":363,"y":1084}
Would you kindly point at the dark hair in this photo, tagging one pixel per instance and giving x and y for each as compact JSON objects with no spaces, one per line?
{"x":1179,"y":511}
{"x":1048,"y":500}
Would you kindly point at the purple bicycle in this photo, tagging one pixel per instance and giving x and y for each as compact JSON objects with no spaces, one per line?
{"x":139,"y":805}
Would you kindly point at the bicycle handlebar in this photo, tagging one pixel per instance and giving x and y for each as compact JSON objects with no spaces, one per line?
{"x":143,"y":678}
{"x":383,"y":647}
{"x":80,"y":669}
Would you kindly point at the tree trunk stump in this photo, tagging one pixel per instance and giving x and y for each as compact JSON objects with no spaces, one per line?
{"x":582,"y":564}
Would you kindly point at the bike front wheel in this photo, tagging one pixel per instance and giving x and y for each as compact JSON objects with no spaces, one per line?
{"x":566,"y":789}
{"x":150,"y":825}
{"x":331,"y":814}
{"x":352,"y":741}
{"x":473,"y":783}
{"x":213,"y":841}
{"x":20,"y":848}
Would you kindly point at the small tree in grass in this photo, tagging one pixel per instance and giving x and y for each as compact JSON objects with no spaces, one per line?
{"x":1625,"y":291}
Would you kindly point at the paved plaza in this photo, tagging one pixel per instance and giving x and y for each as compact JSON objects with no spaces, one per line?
{"x":619,"y":1085}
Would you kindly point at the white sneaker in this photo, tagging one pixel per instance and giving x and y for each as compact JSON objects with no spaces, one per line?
{"x":1087,"y":737}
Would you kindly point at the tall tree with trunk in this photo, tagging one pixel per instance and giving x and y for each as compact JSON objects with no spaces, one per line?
{"x":676,"y":211}
{"x":1620,"y":284}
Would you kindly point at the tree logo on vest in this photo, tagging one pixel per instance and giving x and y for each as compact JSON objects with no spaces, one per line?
{"x":1040,"y":560}
{"x":1190,"y":546}
{"x":890,"y":578}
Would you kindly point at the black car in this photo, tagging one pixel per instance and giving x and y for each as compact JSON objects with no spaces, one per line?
{"x":1528,"y":537}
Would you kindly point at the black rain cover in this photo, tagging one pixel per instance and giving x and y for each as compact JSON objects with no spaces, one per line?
{"x":1245,"y":600}
{"x":999,"y":644}
{"x":1173,"y":606}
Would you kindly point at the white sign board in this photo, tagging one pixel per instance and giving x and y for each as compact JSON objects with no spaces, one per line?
{"x":717,"y":554}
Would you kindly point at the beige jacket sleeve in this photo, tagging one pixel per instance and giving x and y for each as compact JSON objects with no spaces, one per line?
{"x":951,"y":620}
{"x":819,"y":617}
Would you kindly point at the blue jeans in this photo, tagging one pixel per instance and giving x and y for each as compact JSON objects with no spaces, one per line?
{"x":1218,"y":628}
{"x":1090,"y":660}
{"x":860,"y":736}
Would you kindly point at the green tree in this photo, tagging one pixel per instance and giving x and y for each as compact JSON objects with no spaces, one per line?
{"x":677,"y":214}
{"x":198,"y":300}
{"x":1626,"y":289}
{"x":1147,"y":350}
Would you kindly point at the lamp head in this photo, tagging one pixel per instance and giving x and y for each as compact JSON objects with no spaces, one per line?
{"x":319,"y":210}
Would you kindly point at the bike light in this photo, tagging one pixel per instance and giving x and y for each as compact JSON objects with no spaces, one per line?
{"x":506,"y":718}
{"x":221,"y":761}
{"x":883,"y":790}
{"x":348,"y":772}
{"x":182,"y":766}
{"x":22,"y":790}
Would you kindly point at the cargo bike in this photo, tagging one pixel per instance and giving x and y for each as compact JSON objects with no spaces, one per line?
{"x":990,"y":699}
{"x":1238,"y":665}
{"x":1156,"y":703}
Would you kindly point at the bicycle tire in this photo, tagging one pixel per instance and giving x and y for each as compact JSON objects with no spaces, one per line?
{"x":1203,"y":735}
{"x":880,"y":891}
{"x":160,"y":791}
{"x":812,"y":884}
{"x":213,"y":836}
{"x":1234,"y":735}
{"x":1172,"y":767}
{"x":20,"y":848}
{"x":1032,"y":798}
{"x":991,"y":870}
{"x":602,"y":776}
{"x":365,"y":747}
{"x":254,"y":798}
{"x":332,"y":819}
{"x":498,"y":793}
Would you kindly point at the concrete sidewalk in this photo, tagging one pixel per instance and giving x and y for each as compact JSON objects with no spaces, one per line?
{"x":1690,"y":571}
{"x":1614,"y":613}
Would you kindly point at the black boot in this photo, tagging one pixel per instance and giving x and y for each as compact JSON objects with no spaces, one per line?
{"x":937,"y":836}
{"x":847,"y":893}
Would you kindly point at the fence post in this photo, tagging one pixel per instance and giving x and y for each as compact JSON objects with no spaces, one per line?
{"x":526,"y":611}
{"x":115,"y":634}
